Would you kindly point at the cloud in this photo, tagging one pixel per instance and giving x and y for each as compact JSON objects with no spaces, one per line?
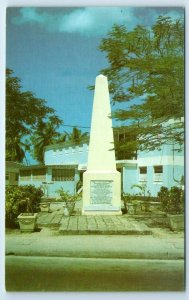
{"x":93,"y":21}
{"x":87,"y":21}
{"x":30,"y":15}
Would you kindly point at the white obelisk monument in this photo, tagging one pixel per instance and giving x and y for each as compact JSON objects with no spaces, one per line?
{"x":101,"y":181}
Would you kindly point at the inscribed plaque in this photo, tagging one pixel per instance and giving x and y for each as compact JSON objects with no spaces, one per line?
{"x":101,"y":191}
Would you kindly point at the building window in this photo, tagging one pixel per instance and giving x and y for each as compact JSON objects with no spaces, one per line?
{"x":25,"y":175}
{"x":63,"y":174}
{"x":39,"y":174}
{"x":158,"y":173}
{"x":142,"y":174}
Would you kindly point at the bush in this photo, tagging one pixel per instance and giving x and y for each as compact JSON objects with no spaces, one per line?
{"x":127,"y":198}
{"x":172,"y":201}
{"x":68,"y":199}
{"x":16,"y":202}
{"x":163,"y":196}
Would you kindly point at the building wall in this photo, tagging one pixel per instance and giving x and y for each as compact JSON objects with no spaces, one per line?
{"x":172,"y":162}
{"x":57,"y":155}
{"x":168,"y":157}
{"x":129,"y":177}
{"x":50,"y":187}
{"x":68,"y":155}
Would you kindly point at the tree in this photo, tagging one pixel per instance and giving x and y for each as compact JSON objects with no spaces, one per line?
{"x":62,"y":138}
{"x":16,"y":148}
{"x":45,"y":134}
{"x":76,"y":136}
{"x":24,"y":112}
{"x":146,"y":73}
{"x":125,"y":142}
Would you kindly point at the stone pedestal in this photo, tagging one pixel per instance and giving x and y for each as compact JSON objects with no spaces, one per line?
{"x":101,"y":181}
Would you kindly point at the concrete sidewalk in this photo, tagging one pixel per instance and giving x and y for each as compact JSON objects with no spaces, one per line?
{"x":101,"y":225}
{"x":114,"y":225}
{"x":50,"y":243}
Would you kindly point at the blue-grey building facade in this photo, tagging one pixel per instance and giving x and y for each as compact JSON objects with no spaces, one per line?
{"x":65,"y":164}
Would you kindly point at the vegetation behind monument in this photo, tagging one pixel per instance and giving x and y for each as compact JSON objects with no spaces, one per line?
{"x":31,"y":124}
{"x":146,"y":71}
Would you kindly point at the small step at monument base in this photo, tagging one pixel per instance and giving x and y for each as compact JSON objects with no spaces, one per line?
{"x":101,"y":213}
{"x":102,"y":225}
{"x":101,"y":209}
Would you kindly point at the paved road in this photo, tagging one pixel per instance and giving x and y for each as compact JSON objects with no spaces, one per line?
{"x":89,"y":274}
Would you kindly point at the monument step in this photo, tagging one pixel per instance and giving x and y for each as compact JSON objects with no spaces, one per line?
{"x":102,"y":225}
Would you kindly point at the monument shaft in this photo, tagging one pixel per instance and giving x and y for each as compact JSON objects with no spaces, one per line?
{"x":101,"y":181}
{"x":101,"y":153}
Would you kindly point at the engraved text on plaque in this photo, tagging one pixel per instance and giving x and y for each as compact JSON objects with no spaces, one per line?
{"x":101,"y":191}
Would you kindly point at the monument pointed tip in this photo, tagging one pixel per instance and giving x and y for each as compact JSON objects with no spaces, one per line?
{"x":101,"y":75}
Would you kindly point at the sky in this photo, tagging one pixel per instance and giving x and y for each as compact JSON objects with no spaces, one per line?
{"x":54,"y":51}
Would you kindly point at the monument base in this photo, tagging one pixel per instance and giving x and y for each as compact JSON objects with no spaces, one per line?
{"x":94,"y":212}
{"x":101,"y":193}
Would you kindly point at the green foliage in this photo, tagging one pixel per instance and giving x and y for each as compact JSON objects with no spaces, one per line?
{"x":147,"y":65}
{"x":24,"y":113}
{"x":172,"y":201}
{"x":144,"y":195}
{"x":125,"y":142}
{"x":68,"y":199}
{"x":45,"y":134}
{"x":143,"y":188}
{"x":21,"y":199}
{"x":76,"y":136}
{"x":127,"y":198}
{"x":66,"y":196}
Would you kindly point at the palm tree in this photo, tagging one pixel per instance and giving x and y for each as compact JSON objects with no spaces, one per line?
{"x":16,"y":148}
{"x":62,"y":138}
{"x":45,"y":134}
{"x":76,"y":136}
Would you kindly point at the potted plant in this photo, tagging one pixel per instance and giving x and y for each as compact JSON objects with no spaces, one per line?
{"x":45,"y":204}
{"x":144,"y":203}
{"x":131,"y":206}
{"x":134,"y":207}
{"x":172,"y":202}
{"x":16,"y":202}
{"x":68,"y":200}
{"x":46,"y":200}
{"x":27,"y":221}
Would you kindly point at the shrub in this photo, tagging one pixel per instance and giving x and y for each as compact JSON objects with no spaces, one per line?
{"x":143,"y":190}
{"x":20,"y":199}
{"x":163,"y":196}
{"x":127,"y":198}
{"x":172,"y":201}
{"x":68,"y":199}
